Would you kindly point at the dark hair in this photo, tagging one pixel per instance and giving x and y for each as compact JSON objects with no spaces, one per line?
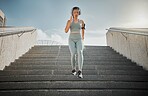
{"x":75,"y":8}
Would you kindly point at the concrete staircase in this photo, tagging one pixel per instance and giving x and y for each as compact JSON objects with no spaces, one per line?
{"x":46,"y":71}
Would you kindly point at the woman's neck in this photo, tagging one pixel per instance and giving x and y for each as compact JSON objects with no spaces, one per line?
{"x":75,"y":18}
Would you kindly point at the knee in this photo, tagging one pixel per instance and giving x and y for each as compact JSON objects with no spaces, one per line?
{"x":73,"y":54}
{"x":80,"y":52}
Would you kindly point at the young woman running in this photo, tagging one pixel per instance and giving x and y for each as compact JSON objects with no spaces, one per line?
{"x":75,"y":40}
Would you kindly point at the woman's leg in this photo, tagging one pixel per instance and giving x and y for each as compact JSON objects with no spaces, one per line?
{"x":80,"y":54}
{"x":73,"y":52}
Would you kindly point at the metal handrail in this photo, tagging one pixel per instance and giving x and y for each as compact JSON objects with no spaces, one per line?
{"x":13,"y":26}
{"x":50,"y":43}
{"x":144,"y":33}
{"x":6,"y":32}
{"x":17,"y":32}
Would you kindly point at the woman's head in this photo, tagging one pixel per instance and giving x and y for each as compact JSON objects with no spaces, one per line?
{"x":76,"y":11}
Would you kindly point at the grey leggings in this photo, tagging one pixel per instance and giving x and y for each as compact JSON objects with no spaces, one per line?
{"x":76,"y":46}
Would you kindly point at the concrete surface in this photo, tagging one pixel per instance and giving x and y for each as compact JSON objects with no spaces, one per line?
{"x":13,"y":46}
{"x":133,"y":46}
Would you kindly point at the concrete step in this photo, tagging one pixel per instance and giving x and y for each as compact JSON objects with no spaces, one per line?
{"x":44,"y":72}
{"x":69,"y":63}
{"x":52,"y":67}
{"x":73,"y":85}
{"x":67,"y":47}
{"x":68,"y":50}
{"x":55,"y":59}
{"x":62,"y":59}
{"x":68,"y":55}
{"x":64,"y":56}
{"x":75,"y":92}
{"x":29,"y":78}
{"x":68,"y":72}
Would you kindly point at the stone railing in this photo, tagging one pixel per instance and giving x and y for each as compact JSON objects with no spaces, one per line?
{"x":131,"y":43}
{"x":14,"y":42}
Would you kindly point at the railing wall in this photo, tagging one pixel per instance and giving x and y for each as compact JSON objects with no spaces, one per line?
{"x":131,"y":43}
{"x":14,"y":42}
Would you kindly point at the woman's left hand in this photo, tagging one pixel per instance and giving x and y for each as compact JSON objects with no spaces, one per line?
{"x":82,"y":38}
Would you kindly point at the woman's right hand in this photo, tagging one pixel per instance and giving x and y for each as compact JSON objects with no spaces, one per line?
{"x":71,"y":19}
{"x":68,"y":24}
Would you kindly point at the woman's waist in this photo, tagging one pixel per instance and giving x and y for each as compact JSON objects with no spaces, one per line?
{"x":76,"y":36}
{"x":75,"y":32}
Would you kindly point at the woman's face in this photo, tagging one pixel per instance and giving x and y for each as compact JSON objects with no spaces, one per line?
{"x":75,"y":13}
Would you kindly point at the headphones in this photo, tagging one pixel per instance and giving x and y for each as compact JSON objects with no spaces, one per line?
{"x":74,"y":8}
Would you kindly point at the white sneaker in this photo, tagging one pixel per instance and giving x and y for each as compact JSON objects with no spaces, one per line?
{"x":74,"y":72}
{"x":80,"y":74}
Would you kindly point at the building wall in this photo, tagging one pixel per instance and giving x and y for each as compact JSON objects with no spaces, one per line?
{"x":2,"y":18}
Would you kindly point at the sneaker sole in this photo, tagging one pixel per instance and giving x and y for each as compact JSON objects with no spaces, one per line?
{"x":74,"y":73}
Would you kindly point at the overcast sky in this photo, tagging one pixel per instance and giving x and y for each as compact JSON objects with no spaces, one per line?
{"x":50,"y":16}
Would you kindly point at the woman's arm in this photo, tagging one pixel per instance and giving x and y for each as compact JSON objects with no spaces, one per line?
{"x":83,"y":28}
{"x":68,"y":25}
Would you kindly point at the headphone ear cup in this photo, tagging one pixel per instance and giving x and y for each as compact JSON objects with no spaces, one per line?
{"x":79,"y":12}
